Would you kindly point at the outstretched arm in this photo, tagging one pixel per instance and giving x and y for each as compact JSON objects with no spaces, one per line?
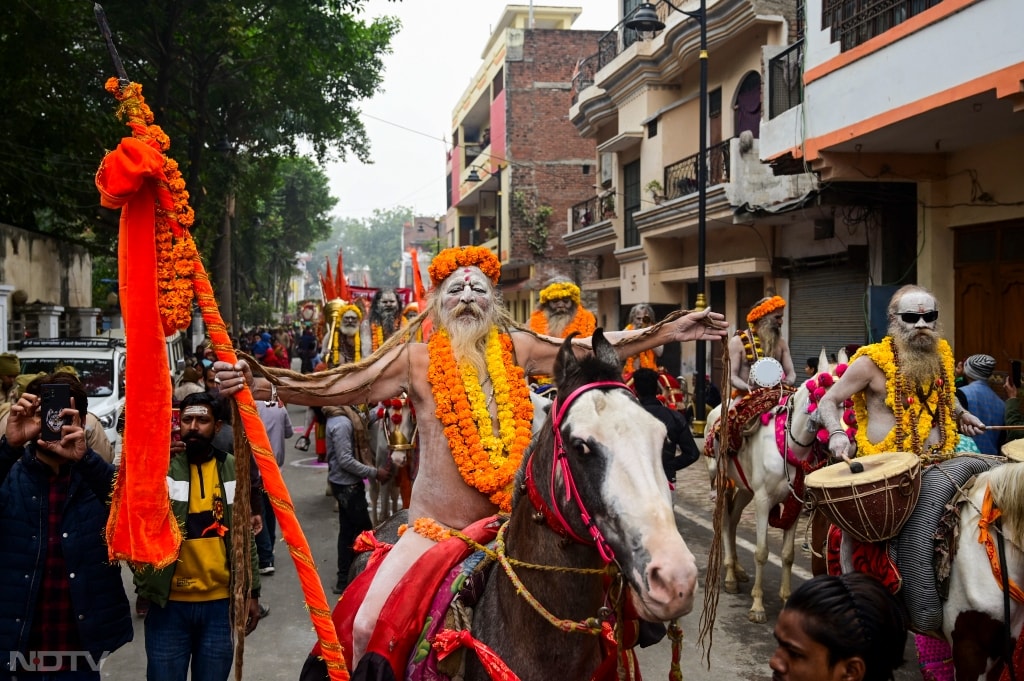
{"x":857,"y":378}
{"x":538,"y":356}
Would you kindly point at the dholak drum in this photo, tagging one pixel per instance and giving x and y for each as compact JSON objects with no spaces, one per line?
{"x":1014,"y":450}
{"x":871,"y":505}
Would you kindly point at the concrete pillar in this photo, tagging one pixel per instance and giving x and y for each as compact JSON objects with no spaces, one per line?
{"x":49,"y":319}
{"x":5,"y":314}
{"x":84,"y":319}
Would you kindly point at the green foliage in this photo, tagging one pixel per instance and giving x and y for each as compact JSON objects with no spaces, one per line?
{"x":535,"y":215}
{"x":234,"y":83}
{"x":374,"y":243}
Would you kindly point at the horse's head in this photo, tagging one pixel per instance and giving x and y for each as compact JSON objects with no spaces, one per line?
{"x":598,"y":471}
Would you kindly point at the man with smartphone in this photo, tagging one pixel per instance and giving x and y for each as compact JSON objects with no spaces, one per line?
{"x":983,"y":401}
{"x":53,"y":511}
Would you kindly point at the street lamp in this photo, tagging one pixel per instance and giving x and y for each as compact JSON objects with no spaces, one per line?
{"x":645,"y":19}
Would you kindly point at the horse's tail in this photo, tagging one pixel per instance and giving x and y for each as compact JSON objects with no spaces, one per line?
{"x":1006,"y":483}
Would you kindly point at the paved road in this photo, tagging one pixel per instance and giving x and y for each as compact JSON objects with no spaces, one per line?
{"x":276,"y":650}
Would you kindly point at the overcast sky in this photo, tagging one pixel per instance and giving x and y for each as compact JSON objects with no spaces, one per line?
{"x":435,"y":54}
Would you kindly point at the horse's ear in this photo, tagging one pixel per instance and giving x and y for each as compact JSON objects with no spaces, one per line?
{"x":566,"y":362}
{"x":842,"y":357}
{"x":604,"y":350}
{"x":823,"y":360}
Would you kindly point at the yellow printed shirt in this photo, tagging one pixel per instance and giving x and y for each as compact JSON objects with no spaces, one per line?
{"x":201,"y":573}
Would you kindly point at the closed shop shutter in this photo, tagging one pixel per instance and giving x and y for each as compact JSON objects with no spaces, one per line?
{"x":827,"y":308}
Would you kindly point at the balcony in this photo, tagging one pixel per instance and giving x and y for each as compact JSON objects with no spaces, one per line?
{"x":785,"y":80}
{"x":583,"y":76}
{"x":853,"y":22}
{"x":681,"y":176}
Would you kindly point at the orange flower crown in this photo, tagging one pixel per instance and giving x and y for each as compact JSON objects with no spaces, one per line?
{"x":765,"y":308}
{"x":559,"y":290}
{"x":450,"y":259}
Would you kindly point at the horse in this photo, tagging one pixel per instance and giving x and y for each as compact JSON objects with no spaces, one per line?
{"x":772,"y":457}
{"x":591,"y":536}
{"x":392,"y":437}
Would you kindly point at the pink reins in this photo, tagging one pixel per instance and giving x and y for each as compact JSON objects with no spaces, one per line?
{"x":551,"y":512}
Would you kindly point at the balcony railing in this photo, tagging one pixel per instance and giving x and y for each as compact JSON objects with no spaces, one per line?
{"x":586,"y":213}
{"x":786,"y":80}
{"x":681,"y":176}
{"x":856,"y":21}
{"x":583,"y":76}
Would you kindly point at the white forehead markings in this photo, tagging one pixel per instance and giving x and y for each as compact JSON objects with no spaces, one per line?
{"x":916,"y":302}
{"x":197,"y":410}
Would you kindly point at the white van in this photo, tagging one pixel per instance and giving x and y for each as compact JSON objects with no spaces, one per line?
{"x":99,"y":363}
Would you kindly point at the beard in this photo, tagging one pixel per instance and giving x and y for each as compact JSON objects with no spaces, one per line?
{"x":919,"y":360}
{"x":557,"y":321}
{"x":468,"y":326}
{"x":769,"y":335}
{"x":198,"y":448}
{"x":388,"y":320}
{"x":349,"y":331}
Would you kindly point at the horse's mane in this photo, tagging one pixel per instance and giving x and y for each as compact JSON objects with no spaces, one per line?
{"x":1007,"y":485}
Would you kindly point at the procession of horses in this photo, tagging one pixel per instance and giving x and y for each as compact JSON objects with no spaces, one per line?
{"x":593,"y":534}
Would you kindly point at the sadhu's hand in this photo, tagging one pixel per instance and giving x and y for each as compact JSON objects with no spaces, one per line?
{"x":231,"y":378}
{"x":970,"y":425}
{"x":702,"y":325}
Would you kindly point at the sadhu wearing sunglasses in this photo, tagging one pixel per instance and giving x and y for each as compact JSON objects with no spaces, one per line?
{"x":903,"y":400}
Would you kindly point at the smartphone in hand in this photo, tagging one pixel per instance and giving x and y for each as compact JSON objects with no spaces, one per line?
{"x":55,"y":397}
{"x":175,"y":425}
{"x":1015,"y":372}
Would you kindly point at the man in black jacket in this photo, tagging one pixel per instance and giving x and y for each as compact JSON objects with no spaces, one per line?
{"x":62,"y":595}
{"x":645,"y":384}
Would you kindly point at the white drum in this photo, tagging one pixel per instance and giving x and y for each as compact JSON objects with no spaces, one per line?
{"x":767,"y":372}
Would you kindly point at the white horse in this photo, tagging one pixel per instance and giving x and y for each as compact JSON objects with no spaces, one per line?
{"x":392,"y":438}
{"x":765,"y":470}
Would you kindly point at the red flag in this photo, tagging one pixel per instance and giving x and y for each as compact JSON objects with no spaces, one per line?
{"x":420,"y":292}
{"x":327,"y":283}
{"x":342,"y":287}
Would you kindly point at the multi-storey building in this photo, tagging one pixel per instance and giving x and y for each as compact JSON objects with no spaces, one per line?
{"x":638,"y":96}
{"x":917,"y":105}
{"x":517,"y":163}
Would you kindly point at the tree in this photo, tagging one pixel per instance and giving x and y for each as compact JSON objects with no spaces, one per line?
{"x":374,"y":243}
{"x":236,"y":84}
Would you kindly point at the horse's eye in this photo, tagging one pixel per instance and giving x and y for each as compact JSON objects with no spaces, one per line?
{"x":580,"y":447}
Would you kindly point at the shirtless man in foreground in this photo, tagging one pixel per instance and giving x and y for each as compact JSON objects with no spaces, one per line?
{"x":472,"y":340}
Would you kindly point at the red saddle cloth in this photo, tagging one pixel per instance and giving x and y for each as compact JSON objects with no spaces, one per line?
{"x":404,"y":613}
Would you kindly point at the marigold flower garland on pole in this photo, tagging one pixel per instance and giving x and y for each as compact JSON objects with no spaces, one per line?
{"x":156,"y":290}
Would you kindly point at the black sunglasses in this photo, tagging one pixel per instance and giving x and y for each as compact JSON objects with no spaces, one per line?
{"x":914,"y":317}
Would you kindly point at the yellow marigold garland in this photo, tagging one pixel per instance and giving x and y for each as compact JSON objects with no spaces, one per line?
{"x":174,"y":245}
{"x":911,"y":413}
{"x":486,"y":462}
{"x":376,"y":336}
{"x":559,"y":290}
{"x":767,"y":307}
{"x":582,"y":322}
{"x":450,"y":259}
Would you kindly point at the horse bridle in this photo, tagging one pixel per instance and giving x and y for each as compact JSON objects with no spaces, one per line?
{"x":555,"y":520}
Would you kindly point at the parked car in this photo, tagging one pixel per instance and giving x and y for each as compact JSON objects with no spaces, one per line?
{"x":100,"y":364}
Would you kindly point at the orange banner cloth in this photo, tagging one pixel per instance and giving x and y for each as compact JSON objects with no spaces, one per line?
{"x":141,"y":528}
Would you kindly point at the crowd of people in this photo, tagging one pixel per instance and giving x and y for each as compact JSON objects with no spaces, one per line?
{"x":908,"y":393}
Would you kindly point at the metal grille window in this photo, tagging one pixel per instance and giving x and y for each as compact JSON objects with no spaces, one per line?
{"x":786,"y":76}
{"x":631,"y":203}
{"x":856,"y":21}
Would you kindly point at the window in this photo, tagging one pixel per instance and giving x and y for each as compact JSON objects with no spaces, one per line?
{"x":631,"y":202}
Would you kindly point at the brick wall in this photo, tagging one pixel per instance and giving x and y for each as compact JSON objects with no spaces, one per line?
{"x":547,"y":156}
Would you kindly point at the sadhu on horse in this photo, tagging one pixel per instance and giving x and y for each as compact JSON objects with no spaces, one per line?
{"x":944,"y":528}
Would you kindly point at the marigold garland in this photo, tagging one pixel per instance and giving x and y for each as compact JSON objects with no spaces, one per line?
{"x":559,"y":290}
{"x":642,"y":360}
{"x":174,"y":245}
{"x":914,"y":417}
{"x":751,"y":345}
{"x":767,"y":307}
{"x":376,"y":336}
{"x":431,"y":529}
{"x":450,"y":259}
{"x":486,"y":462}
{"x":583,"y":322}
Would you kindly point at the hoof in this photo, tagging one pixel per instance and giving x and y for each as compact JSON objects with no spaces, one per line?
{"x":757,"y":616}
{"x":741,"y":575}
{"x":731,"y":587}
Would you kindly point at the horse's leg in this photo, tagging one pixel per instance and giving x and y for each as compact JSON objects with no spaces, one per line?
{"x":762,"y":507}
{"x":734,"y":573}
{"x":374,"y":496}
{"x":788,"y":551}
{"x":819,"y":539}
